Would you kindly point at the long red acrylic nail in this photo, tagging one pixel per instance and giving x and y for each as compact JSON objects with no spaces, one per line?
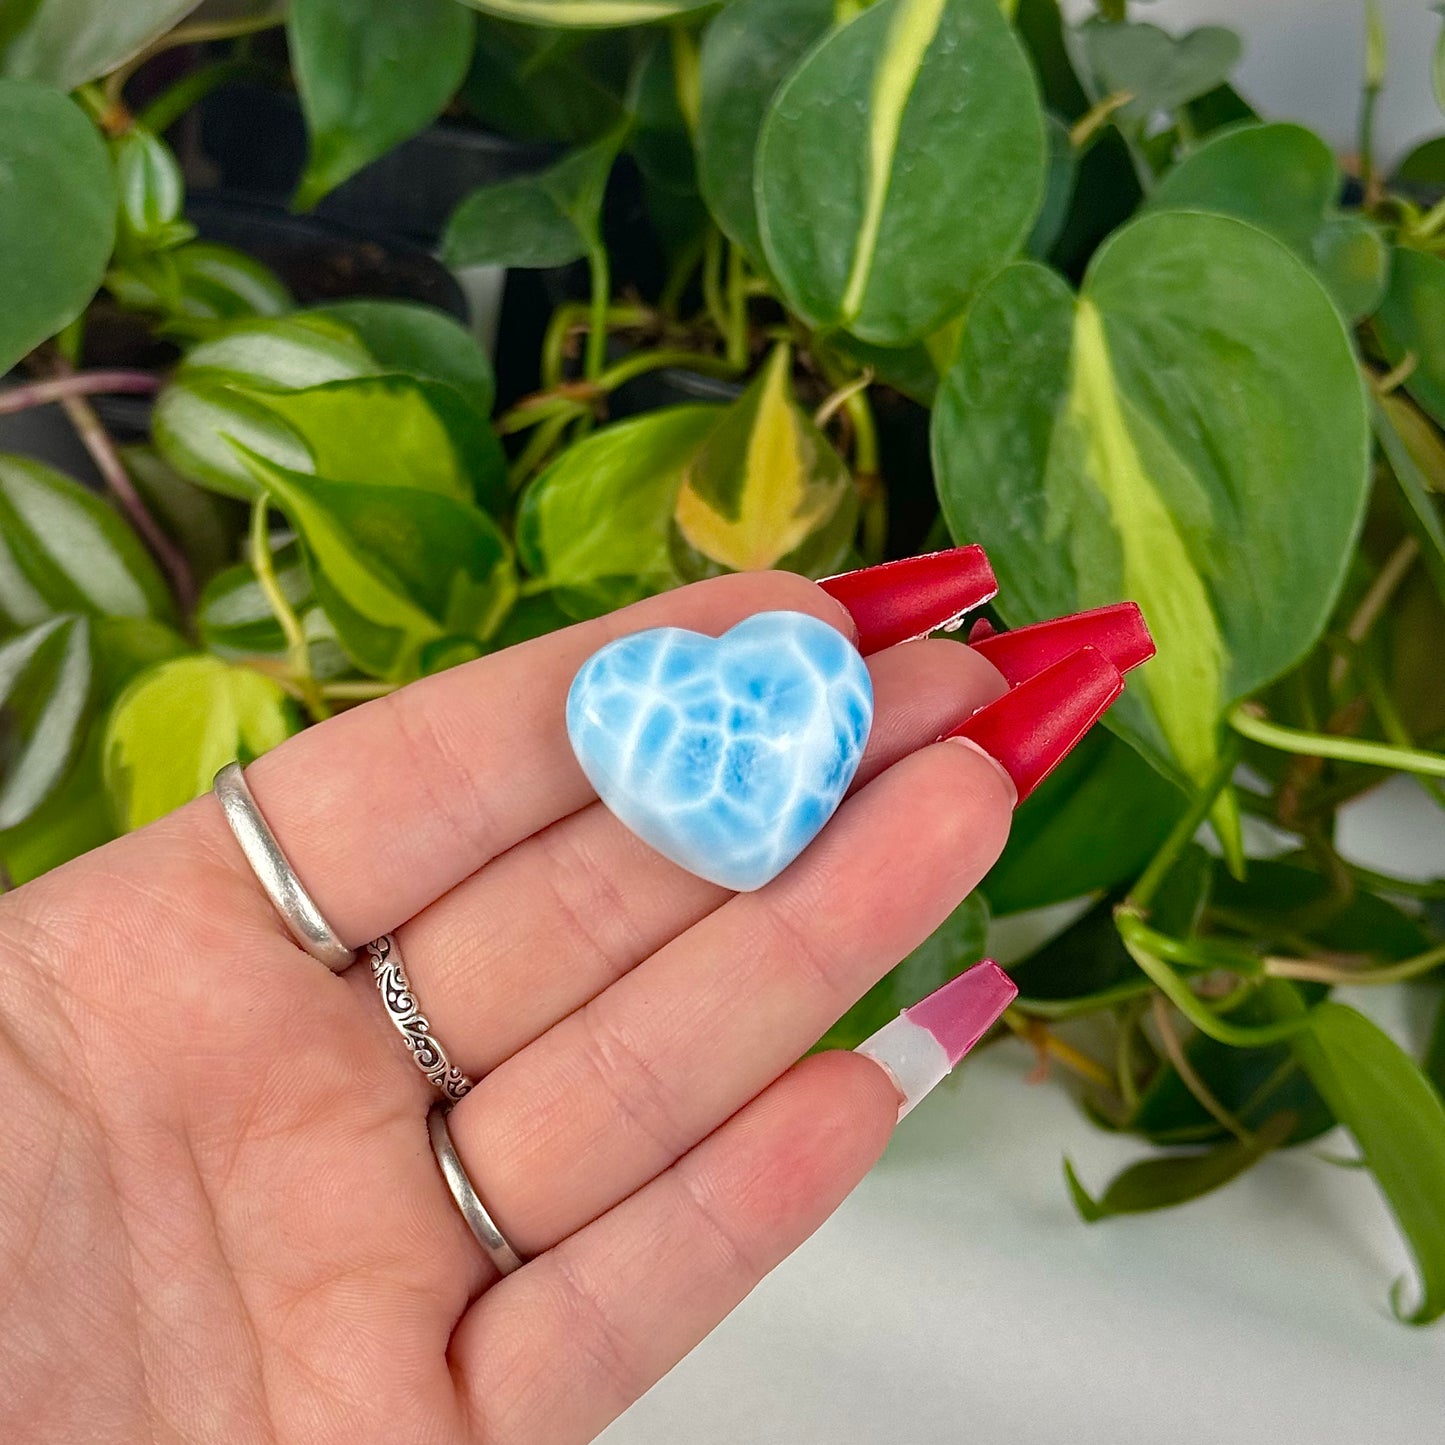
{"x":1033,"y":727}
{"x":1119,"y":632}
{"x":899,"y":601}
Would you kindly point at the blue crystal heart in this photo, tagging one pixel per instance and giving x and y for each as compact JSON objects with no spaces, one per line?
{"x":726,"y":754}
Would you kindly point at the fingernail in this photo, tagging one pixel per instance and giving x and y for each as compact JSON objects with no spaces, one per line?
{"x":920,"y":1048}
{"x":1119,"y":632}
{"x":899,"y":601}
{"x":1033,"y":727}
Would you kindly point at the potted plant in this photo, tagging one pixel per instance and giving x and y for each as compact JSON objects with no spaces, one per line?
{"x":1161,"y":356}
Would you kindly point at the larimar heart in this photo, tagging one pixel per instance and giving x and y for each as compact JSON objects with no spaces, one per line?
{"x":726,"y":754}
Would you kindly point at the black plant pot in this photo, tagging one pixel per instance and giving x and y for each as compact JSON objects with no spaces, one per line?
{"x":253,"y":140}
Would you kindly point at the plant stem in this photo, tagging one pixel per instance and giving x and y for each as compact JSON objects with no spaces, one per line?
{"x":539,"y":445}
{"x":737,"y":314}
{"x":641,"y":362}
{"x":712,"y":261}
{"x":1430,"y":890}
{"x":1180,"y":836}
{"x":1088,"y":125}
{"x":1397,"y":376}
{"x":687,"y":73}
{"x":1128,"y":1084}
{"x":171,"y":104}
{"x":358,"y":691}
{"x":298,"y":653}
{"x":596,"y":355}
{"x":98,"y":442}
{"x":1315,"y":972}
{"x":1392,"y":574}
{"x":1036,"y":1032}
{"x":1375,"y":65}
{"x":84,"y":383}
{"x":1246,"y":721}
{"x":1191,"y":1080}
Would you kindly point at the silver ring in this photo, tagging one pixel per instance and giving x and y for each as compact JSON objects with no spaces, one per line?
{"x":491,"y":1239}
{"x":401,"y":1007}
{"x":295,"y":905}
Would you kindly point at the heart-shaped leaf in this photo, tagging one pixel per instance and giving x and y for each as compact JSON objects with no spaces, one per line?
{"x":747,"y":52}
{"x":62,"y":549}
{"x":1284,"y":179}
{"x":1411,"y":322}
{"x":1160,"y":71}
{"x":874,"y":158}
{"x":394,"y":569}
{"x":1378,"y":1092}
{"x":177,"y":724}
{"x":371,"y":74}
{"x":766,"y":489}
{"x":956,"y":944}
{"x":67,"y":42}
{"x":536,"y":221}
{"x":57,"y":214}
{"x":46,"y":693}
{"x":595,"y":523}
{"x":588,"y":14}
{"x":191,"y":287}
{"x":1058,"y":443}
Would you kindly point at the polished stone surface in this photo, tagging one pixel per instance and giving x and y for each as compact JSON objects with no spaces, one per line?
{"x":725,"y":754}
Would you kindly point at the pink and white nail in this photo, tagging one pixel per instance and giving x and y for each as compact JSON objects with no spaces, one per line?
{"x":919,"y":1048}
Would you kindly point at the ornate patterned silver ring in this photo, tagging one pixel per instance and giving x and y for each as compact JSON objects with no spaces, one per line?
{"x":275,"y":874}
{"x":411,"y":1023}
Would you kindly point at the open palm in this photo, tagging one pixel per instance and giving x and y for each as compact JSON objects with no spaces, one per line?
{"x":220,"y":1218}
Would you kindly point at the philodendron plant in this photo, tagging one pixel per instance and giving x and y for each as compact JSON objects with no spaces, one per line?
{"x":1164,"y":348}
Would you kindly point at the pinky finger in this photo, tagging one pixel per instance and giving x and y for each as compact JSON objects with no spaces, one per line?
{"x":556,"y":1351}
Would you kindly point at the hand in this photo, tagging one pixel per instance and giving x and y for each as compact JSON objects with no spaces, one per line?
{"x":220,"y":1219}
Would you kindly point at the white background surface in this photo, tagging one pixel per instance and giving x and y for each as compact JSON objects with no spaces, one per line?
{"x":957,"y":1298}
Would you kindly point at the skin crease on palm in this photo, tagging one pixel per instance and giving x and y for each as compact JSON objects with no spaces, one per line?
{"x":220,"y":1219}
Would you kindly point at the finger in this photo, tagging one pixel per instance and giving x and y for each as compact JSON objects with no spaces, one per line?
{"x":557,"y":1350}
{"x":618,"y":1090}
{"x":384,"y":808}
{"x":550,"y":924}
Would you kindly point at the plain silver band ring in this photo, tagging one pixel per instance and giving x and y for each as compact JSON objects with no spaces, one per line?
{"x":295,"y":905}
{"x":491,"y":1239}
{"x":402,"y":1009}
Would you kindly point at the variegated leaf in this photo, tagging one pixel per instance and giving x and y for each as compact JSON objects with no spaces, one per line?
{"x":1188,"y":431}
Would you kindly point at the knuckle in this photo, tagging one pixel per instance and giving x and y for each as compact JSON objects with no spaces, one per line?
{"x":635,"y":1086}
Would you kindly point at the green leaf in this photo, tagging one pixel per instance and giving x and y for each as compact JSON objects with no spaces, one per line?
{"x":57,"y":214}
{"x":67,"y":42}
{"x":46,"y":694}
{"x":1425,"y":164}
{"x":235,"y":619}
{"x":874,"y":159}
{"x":536,"y":221}
{"x":589,"y":14}
{"x":1060,"y":443}
{"x":371,"y":74}
{"x":1437,"y":70}
{"x":1159,"y":70}
{"x":177,"y":724}
{"x":324,"y":385}
{"x":152,"y":190}
{"x":1058,"y":191}
{"x":1417,"y":458}
{"x":421,"y":341}
{"x":747,"y":52}
{"x":206,"y":526}
{"x":1434,"y":1061}
{"x":194,"y":286}
{"x":62,"y":549}
{"x":1179,"y":1178}
{"x":395,"y":569}
{"x":1095,"y":822}
{"x":1411,"y":322}
{"x":956,"y":944}
{"x":1284,"y":179}
{"x":766,"y":489}
{"x":397,"y":432}
{"x":1398,"y":1120}
{"x":546,"y":85}
{"x":1041,"y":28}
{"x":595,"y":523}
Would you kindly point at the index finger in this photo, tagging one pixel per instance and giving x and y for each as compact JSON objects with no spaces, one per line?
{"x":384,"y":808}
